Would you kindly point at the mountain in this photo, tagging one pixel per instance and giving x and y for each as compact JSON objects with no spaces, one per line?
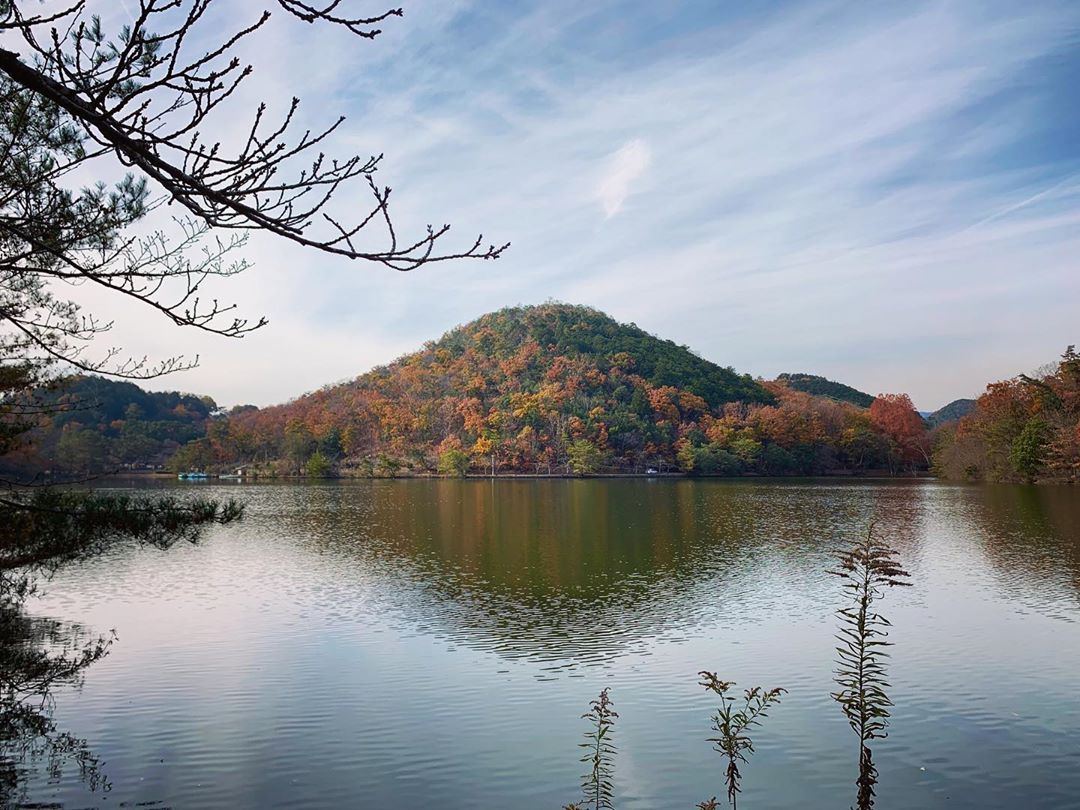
{"x":821,"y":387}
{"x":524,"y":382}
{"x":955,"y":410}
{"x":552,"y":388}
{"x":93,"y":424}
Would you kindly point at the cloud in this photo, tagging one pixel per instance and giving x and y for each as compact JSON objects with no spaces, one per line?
{"x":878,"y":192}
{"x":624,"y":167}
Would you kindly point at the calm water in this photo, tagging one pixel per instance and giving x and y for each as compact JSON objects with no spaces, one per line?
{"x":432,"y":644}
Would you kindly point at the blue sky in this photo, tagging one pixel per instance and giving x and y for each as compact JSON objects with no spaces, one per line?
{"x":884,"y":193}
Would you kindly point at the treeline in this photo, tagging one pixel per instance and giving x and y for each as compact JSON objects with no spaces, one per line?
{"x":806,"y":435}
{"x":88,"y":424}
{"x":560,"y":389}
{"x":1023,"y":429}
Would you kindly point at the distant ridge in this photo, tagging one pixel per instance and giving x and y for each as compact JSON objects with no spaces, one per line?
{"x":97,"y":425}
{"x":957,"y":409}
{"x":822,"y":387}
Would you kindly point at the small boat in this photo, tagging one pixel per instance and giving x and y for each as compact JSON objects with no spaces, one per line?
{"x":192,"y":476}
{"x":231,"y":476}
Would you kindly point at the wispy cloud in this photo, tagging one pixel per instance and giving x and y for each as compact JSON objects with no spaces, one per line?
{"x":624,"y":167}
{"x":882,"y":193}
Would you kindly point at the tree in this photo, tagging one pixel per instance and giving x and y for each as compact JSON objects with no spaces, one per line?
{"x":82,"y":450}
{"x":454,"y":462}
{"x":585,"y":457}
{"x":687,"y":458}
{"x":318,"y":466}
{"x":299,"y":445}
{"x":75,"y":99}
{"x":1028,"y":448}
{"x":746,"y":448}
{"x":76,"y":102}
{"x":895,"y":416}
{"x":862,"y":444}
{"x":386,"y":466}
{"x":778,"y":461}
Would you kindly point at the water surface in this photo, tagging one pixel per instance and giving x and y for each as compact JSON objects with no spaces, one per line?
{"x":411,"y":644}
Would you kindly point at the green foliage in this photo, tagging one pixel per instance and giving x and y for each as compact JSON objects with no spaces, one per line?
{"x":777,"y":460}
{"x":746,"y":448}
{"x":581,"y":332}
{"x":318,"y":466}
{"x":329,"y":445}
{"x":585,"y":457}
{"x":714,"y":460}
{"x":709,"y":459}
{"x":89,"y":424}
{"x":867,"y":569}
{"x":821,"y":387}
{"x":386,"y":466}
{"x":731,"y":727}
{"x":454,"y":462}
{"x":193,"y":456}
{"x":687,"y":458}
{"x":864,"y":447}
{"x":1028,"y":449}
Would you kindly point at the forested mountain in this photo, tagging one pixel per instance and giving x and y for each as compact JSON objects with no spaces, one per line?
{"x":957,"y":409}
{"x":1022,"y":429}
{"x":559,"y":388}
{"x":93,"y":424}
{"x":821,"y":387}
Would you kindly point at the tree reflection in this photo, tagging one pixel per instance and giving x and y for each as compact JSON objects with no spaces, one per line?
{"x":37,"y":655}
{"x":40,"y":532}
{"x":1031,"y":537}
{"x":576,"y":571}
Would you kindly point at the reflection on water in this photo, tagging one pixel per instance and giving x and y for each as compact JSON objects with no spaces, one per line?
{"x":37,"y":655}
{"x":1031,"y":536}
{"x":432,"y":643}
{"x":568,"y":571}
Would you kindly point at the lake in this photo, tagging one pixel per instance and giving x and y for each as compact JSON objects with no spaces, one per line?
{"x":416,"y":644}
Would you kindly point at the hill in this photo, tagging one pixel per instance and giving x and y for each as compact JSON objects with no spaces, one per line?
{"x":957,"y":409}
{"x":822,"y":387}
{"x":93,"y":424}
{"x":522,"y":384}
{"x":553,"y":388}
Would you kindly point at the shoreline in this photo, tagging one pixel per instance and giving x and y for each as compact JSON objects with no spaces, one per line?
{"x":667,"y":476}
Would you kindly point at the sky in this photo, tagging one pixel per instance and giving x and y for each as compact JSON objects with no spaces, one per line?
{"x":887,"y":194}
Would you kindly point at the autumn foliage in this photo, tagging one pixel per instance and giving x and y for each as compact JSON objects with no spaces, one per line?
{"x":1022,"y":429}
{"x":895,"y":417}
{"x":562,"y":389}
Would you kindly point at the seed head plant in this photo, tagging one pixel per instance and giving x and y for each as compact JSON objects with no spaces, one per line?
{"x":867,"y":569}
{"x":597,"y":785}
{"x":732,"y":725}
